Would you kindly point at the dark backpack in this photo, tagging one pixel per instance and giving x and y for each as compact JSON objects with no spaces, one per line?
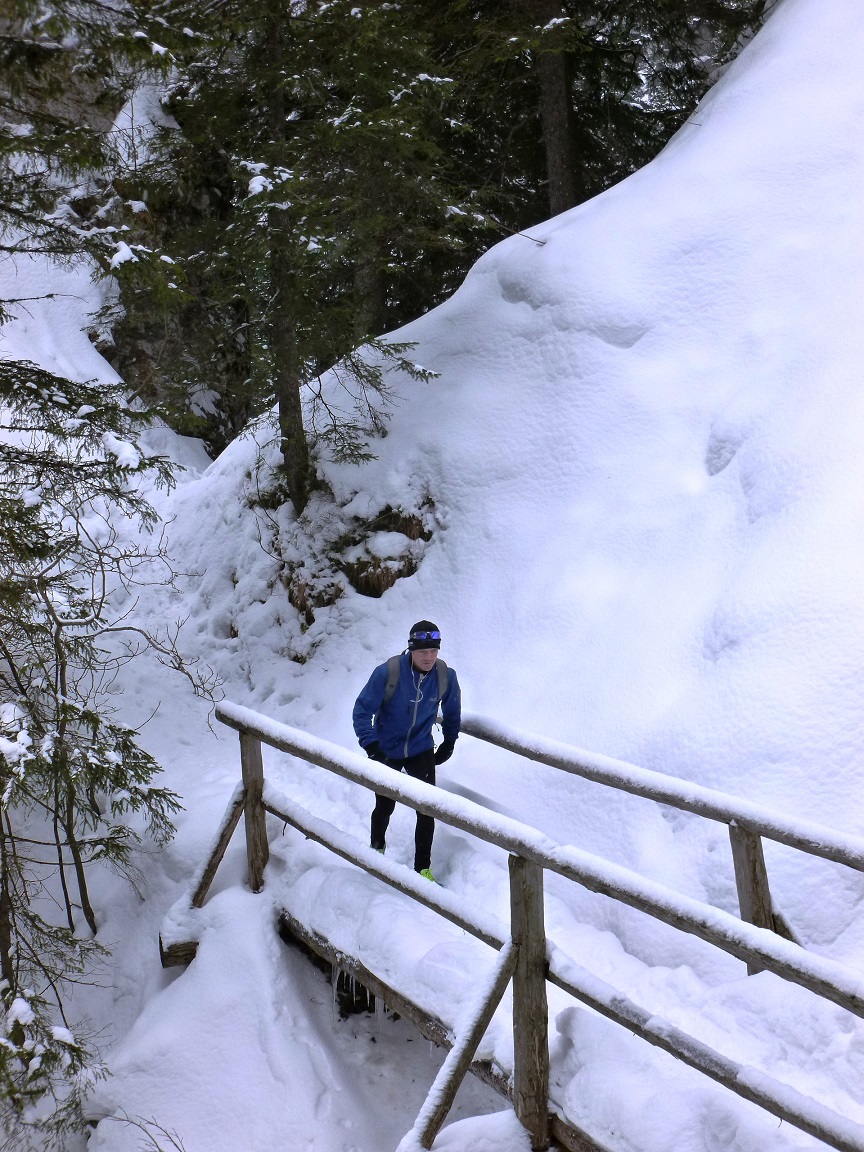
{"x":393,"y":678}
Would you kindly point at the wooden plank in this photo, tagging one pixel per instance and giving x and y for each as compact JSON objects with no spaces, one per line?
{"x":431,"y":1027}
{"x":257,"y":848}
{"x":827,"y":978}
{"x":232,"y":819}
{"x":530,"y":1007}
{"x":572,"y":1138}
{"x":447,"y":904}
{"x":176,"y":955}
{"x":805,"y":835}
{"x":443,"y":1091}
{"x":751,"y":880}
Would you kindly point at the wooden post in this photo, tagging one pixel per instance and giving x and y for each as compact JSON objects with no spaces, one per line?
{"x":530,"y":1009}
{"x":452,"y":1073}
{"x":257,"y":848}
{"x":229,"y":823}
{"x":751,"y":880}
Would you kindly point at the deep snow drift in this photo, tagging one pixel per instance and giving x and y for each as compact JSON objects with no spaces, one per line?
{"x":644,"y":483}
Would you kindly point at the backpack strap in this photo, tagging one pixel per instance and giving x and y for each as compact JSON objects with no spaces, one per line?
{"x":393,"y":669}
{"x":443,"y":678}
{"x":392,"y":677}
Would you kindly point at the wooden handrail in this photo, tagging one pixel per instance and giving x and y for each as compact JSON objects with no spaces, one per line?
{"x":589,"y":989}
{"x":531,"y":853}
{"x":805,"y":835}
{"x":755,"y":946}
{"x":583,"y":985}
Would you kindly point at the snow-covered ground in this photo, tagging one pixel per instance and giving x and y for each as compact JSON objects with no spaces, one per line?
{"x":644,"y":481}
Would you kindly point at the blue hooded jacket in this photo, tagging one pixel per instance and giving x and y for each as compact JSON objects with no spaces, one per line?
{"x":403,"y":726}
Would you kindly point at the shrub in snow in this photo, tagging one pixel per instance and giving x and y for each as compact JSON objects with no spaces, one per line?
{"x":75,"y":787}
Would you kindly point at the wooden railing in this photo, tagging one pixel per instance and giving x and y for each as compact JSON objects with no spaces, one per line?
{"x":527,"y":957}
{"x":747,"y":823}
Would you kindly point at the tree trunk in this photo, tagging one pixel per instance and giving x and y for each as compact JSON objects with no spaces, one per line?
{"x":370,"y":291}
{"x":61,"y":863}
{"x":281,"y":337}
{"x":7,"y":966}
{"x":78,"y":863}
{"x":555,"y":110}
{"x":286,"y":371}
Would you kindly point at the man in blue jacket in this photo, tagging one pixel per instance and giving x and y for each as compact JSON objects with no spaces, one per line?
{"x":393,"y":718}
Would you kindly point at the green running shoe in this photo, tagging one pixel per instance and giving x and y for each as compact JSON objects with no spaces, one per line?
{"x":426,"y":873}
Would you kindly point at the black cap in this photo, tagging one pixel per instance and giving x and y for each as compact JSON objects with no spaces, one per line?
{"x":424,"y":634}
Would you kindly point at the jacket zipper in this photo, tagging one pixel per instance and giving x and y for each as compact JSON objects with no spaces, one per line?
{"x":416,"y":706}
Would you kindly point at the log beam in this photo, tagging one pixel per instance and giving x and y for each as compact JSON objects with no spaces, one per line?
{"x":257,"y":848}
{"x":232,"y":819}
{"x":177,"y":955}
{"x":530,"y":1007}
{"x":443,"y":1091}
{"x":751,"y":880}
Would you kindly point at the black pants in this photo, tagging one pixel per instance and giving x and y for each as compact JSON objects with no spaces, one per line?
{"x":421,"y":767}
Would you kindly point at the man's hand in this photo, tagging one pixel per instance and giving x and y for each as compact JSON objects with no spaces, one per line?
{"x":444,"y":751}
{"x":375,"y":752}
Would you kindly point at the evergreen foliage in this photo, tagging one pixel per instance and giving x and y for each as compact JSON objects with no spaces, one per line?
{"x":75,"y":787}
{"x":603,"y":82}
{"x":63,"y":69}
{"x":309,"y":203}
{"x":333,"y":170}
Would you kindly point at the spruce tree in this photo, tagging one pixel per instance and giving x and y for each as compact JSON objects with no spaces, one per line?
{"x":64,"y":70}
{"x":76,"y":788}
{"x":600,"y":84}
{"x":308,"y":200}
{"x":334,"y":169}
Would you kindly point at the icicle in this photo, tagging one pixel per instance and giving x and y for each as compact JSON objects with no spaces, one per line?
{"x":334,"y":993}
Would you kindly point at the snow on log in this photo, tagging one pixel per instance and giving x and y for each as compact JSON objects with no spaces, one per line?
{"x":459,"y":911}
{"x":750,"y":1083}
{"x":757,"y":946}
{"x":471,"y":1031}
{"x":178,"y":940}
{"x":807,"y":835}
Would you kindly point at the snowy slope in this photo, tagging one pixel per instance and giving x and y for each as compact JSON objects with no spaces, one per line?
{"x":642,"y":455}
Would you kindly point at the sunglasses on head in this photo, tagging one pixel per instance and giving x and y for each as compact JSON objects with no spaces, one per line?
{"x":425,"y":635}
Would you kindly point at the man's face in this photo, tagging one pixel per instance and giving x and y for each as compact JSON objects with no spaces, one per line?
{"x":424,"y":658}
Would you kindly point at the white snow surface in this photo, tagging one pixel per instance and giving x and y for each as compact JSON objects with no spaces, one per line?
{"x":642,"y":456}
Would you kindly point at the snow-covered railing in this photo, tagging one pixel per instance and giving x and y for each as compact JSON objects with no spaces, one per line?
{"x":578,"y":982}
{"x":745,"y":941}
{"x":806,"y":835}
{"x":747,"y":822}
{"x":531,"y":957}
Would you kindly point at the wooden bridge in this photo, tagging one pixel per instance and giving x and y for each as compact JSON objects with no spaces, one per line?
{"x":760,"y":938}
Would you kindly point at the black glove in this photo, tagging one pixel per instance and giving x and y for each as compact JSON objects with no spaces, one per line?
{"x":444,"y":751}
{"x":375,"y":752}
